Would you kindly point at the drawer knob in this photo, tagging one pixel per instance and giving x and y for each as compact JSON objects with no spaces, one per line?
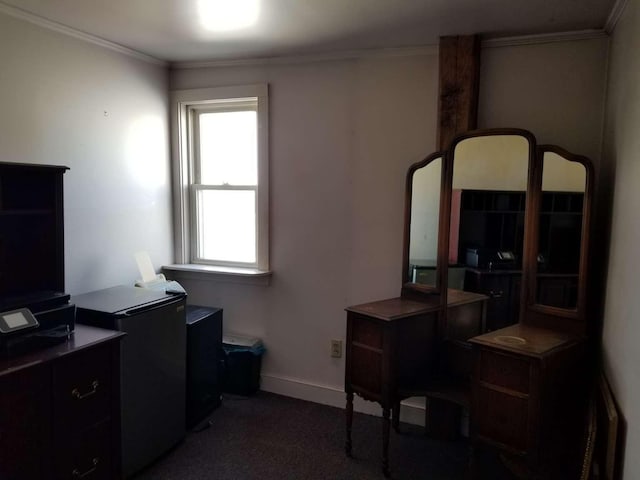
{"x":75,"y":393}
{"x":94,"y":465}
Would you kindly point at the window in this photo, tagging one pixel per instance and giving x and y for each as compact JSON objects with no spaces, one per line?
{"x":221,"y":176}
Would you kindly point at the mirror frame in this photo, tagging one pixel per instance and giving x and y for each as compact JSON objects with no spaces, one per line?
{"x":448,"y":188}
{"x":411,"y":289}
{"x":531,"y":311}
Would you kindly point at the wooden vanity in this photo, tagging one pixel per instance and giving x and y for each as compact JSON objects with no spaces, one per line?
{"x":386,"y":358}
{"x":517,"y":356}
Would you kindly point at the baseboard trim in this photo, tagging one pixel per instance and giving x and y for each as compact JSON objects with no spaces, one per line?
{"x":412,"y":410}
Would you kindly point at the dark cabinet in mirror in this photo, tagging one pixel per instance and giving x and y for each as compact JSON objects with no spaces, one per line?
{"x":558,"y":255}
{"x":497,"y":215}
{"x":486,"y":222}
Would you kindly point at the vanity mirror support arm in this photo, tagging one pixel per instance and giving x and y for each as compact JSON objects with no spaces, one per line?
{"x":530,"y":241}
{"x":444,"y":223}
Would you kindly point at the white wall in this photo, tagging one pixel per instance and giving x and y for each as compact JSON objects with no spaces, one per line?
{"x":555,"y":90}
{"x":621,"y":153}
{"x":343,"y":134}
{"x":54,"y":92}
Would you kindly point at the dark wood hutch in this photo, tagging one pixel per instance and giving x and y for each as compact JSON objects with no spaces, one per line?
{"x":59,"y":384}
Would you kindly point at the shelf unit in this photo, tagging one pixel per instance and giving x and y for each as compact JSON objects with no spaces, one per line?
{"x":31,"y":232}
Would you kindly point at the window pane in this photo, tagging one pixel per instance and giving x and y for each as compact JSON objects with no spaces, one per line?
{"x":226,"y":225}
{"x":228,"y":148}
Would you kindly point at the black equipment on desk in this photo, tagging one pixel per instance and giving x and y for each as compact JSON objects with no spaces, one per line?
{"x":491,"y":258}
{"x":36,"y":325}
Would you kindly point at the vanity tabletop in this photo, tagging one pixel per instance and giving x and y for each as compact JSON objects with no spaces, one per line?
{"x":527,"y":340}
{"x":396,"y":308}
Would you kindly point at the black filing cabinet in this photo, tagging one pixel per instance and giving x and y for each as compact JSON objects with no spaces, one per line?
{"x":204,"y":357}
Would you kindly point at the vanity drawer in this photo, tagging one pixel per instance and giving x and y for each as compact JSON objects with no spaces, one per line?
{"x":366,"y":370}
{"x":502,"y":418}
{"x":366,"y":331}
{"x":87,"y":455}
{"x":82,"y":389}
{"x":508,"y":371}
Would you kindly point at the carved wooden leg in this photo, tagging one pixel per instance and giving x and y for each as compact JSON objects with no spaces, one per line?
{"x":386,"y":426}
{"x":395,"y":416}
{"x":349,"y":412}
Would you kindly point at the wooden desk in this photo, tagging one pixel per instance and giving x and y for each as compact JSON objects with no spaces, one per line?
{"x":60,"y":409}
{"x":393,"y":351}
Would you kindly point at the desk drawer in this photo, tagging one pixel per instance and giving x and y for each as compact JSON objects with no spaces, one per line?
{"x":82,"y":390}
{"x":503,"y":370}
{"x":366,"y":331}
{"x":87,"y":455}
{"x":502,"y":418}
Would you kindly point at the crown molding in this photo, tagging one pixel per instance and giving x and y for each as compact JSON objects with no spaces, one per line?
{"x":313,"y":58}
{"x":614,"y":16}
{"x":72,"y":32}
{"x":544,"y":38}
{"x":420,"y":50}
{"x":391,"y":52}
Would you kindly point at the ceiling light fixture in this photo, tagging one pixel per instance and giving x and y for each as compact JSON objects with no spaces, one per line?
{"x":228,"y":15}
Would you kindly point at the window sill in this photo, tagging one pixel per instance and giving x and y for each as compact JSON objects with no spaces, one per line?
{"x":247,"y":276}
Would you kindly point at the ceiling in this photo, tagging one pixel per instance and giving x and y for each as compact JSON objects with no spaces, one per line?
{"x":174,"y":31}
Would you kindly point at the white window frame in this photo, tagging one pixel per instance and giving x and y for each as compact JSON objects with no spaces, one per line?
{"x":183,"y":104}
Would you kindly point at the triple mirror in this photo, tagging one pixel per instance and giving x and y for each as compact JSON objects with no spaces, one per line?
{"x":496,"y":214}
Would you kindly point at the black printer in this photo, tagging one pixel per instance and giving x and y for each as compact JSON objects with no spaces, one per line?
{"x":31,"y":322}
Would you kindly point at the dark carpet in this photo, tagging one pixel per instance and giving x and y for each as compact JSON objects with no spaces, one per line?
{"x":269,"y":436}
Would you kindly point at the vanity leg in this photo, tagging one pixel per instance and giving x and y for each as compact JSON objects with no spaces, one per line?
{"x":395,"y":416}
{"x":386,"y":427}
{"x":349,"y":418}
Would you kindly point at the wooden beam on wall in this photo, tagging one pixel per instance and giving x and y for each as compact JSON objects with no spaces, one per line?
{"x":458,"y":88}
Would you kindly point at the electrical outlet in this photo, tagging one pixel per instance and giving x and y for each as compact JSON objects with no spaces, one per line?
{"x":336,"y":348}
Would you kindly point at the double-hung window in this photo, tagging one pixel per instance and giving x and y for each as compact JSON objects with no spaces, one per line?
{"x":221,"y":175}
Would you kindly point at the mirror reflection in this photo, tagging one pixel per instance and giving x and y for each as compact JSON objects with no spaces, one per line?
{"x":560,"y":231}
{"x":423,"y":234}
{"x":487,"y":222}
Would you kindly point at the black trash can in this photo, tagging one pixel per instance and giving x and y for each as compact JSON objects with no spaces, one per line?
{"x":243,"y":359}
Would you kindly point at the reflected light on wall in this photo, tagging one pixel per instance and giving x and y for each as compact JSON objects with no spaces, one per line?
{"x":228,"y":15}
{"x":146,"y":152}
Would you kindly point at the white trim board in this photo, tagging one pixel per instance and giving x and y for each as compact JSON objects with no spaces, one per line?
{"x":72,"y":32}
{"x":411,"y":411}
{"x":312,"y":58}
{"x":544,"y":38}
{"x":614,"y":16}
{"x":421,"y":50}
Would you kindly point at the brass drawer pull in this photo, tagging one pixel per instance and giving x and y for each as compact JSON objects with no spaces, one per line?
{"x":76,"y":392}
{"x":76,"y":473}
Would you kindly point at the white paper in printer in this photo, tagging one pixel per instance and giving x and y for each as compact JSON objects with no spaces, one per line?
{"x":150,"y":279}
